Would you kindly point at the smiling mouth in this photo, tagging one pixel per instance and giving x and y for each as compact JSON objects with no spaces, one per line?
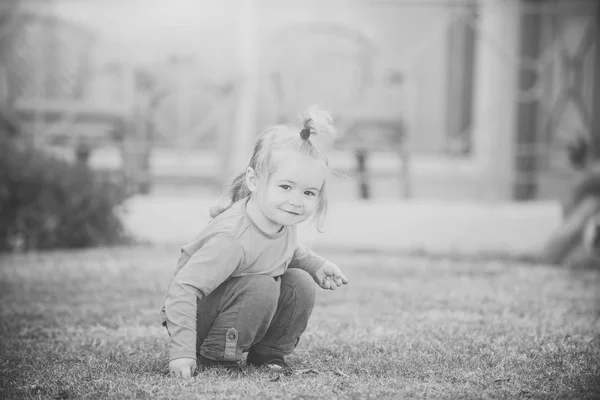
{"x":291,"y":212}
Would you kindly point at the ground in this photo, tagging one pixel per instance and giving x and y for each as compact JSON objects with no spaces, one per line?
{"x":85,"y":324}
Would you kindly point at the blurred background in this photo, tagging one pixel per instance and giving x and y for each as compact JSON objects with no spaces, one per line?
{"x":449,"y":100}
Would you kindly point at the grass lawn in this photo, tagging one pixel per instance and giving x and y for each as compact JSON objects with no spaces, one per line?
{"x":85,"y":324}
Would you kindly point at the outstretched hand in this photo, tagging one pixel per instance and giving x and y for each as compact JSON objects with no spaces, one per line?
{"x":329,"y":276}
{"x":182,"y":367}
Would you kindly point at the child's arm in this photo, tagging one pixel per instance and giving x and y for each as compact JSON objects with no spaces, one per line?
{"x":324,"y":272}
{"x":206,"y":269}
{"x":307,"y":260}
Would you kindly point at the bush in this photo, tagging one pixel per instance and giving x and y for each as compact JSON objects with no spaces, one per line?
{"x":49,"y":203}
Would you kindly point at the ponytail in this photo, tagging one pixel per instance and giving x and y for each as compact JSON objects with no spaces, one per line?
{"x":238,"y":190}
{"x":318,"y":128}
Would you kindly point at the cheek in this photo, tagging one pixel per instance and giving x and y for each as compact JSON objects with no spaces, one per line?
{"x":311,"y":204}
{"x":273,"y":196}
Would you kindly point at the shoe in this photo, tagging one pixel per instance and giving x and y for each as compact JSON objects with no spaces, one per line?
{"x":209,"y":362}
{"x":272,"y":362}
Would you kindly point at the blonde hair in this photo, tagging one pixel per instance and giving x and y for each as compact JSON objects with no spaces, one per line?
{"x":315,"y":139}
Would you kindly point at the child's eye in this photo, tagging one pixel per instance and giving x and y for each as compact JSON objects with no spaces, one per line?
{"x":285,"y":187}
{"x":309,"y":193}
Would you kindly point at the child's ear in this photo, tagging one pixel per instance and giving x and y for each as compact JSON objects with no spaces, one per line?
{"x":251,"y":179}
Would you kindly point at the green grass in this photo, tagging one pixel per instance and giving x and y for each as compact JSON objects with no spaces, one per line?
{"x":85,"y":324}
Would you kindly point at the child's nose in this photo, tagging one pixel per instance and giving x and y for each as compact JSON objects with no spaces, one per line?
{"x":295,"y":200}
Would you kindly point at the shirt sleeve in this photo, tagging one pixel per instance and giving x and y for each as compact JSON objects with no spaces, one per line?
{"x":306,"y":259}
{"x":206,"y":269}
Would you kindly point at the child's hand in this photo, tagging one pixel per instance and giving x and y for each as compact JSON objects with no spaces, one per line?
{"x":329,"y":276}
{"x":182,"y":367}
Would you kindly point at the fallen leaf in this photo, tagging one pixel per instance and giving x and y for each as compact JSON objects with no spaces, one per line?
{"x":340,"y":373}
{"x":307,"y":371}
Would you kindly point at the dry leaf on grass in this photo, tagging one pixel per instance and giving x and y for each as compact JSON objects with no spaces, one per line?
{"x":306,"y":371}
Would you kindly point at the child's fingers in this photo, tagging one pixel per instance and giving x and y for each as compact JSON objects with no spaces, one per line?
{"x":338,"y":275}
{"x":340,"y":280}
{"x":176,"y":374}
{"x":328,"y":283}
{"x":332,"y":284}
{"x":183,"y":373}
{"x":334,"y":281}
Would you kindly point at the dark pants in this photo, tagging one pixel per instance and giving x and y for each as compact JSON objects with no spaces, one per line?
{"x":255,"y":312}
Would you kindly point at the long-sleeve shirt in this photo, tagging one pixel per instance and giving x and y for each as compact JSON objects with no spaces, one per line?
{"x":230,"y":246}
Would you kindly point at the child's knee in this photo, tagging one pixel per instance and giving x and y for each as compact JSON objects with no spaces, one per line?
{"x":300,"y":283}
{"x":299,"y":278}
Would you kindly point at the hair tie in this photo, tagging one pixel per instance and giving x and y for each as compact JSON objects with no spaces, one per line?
{"x":305,"y":133}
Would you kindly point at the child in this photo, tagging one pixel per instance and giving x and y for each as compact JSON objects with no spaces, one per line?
{"x":244,"y":284}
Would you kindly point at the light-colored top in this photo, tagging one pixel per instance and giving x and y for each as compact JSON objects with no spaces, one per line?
{"x":230,"y":246}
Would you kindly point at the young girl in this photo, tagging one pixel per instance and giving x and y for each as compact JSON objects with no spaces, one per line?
{"x":244,"y":284}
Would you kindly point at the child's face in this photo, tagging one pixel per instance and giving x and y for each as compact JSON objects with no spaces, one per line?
{"x":291,"y":193}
